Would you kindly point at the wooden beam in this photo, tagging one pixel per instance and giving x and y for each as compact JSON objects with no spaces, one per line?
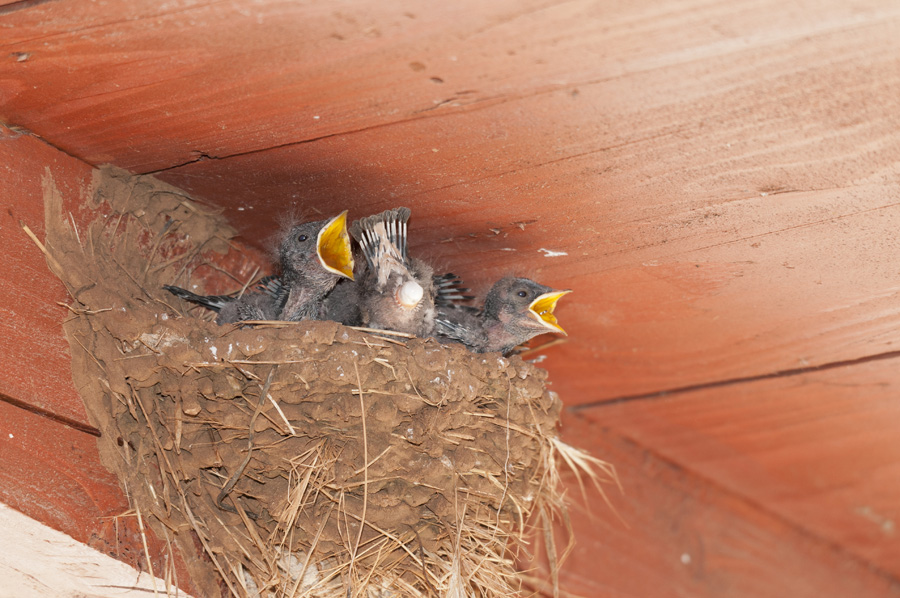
{"x":150,"y":85}
{"x":37,"y":371}
{"x":52,"y":473}
{"x":815,"y":450}
{"x":675,"y":534}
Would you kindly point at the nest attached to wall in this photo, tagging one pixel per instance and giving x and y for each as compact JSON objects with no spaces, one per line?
{"x":298,"y":459}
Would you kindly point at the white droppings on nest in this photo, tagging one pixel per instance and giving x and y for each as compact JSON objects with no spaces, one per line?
{"x":159,"y":340}
{"x":410,"y":294}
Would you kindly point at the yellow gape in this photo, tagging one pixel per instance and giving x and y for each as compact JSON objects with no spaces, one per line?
{"x":333,"y":246}
{"x":542,"y":310}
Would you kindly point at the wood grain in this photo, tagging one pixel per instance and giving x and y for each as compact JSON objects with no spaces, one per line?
{"x":36,"y":363}
{"x":676,"y":534}
{"x":817,"y":450}
{"x":151,"y":85}
{"x":53,"y":473}
{"x":49,"y":465}
{"x":671,"y":288}
{"x":46,"y":562}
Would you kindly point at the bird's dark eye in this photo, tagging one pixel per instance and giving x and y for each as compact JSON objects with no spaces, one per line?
{"x":522,"y":294}
{"x":302,"y":238}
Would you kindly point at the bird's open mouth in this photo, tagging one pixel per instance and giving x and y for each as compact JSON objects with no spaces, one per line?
{"x":333,"y":246}
{"x":541,"y":309}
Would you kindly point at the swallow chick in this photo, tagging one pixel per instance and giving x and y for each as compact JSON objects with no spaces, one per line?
{"x":394,"y":292}
{"x":515,"y":311}
{"x":313,"y":256}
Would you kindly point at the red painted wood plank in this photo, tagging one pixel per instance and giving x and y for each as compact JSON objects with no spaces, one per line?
{"x":150,"y":85}
{"x":49,"y":465}
{"x":650,"y":166}
{"x":52,"y":473}
{"x":722,"y":177}
{"x":684,"y":536}
{"x":667,"y":294}
{"x":817,"y":450}
{"x":35,"y":363}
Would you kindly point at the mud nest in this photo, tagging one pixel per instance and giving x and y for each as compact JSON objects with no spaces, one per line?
{"x":297,"y":459}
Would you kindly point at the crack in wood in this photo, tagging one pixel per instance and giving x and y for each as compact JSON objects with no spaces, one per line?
{"x":788,"y":373}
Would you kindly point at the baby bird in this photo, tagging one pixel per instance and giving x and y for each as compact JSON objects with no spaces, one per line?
{"x":313,"y":256}
{"x":394,"y":292}
{"x":515,"y":310}
{"x":341,"y":304}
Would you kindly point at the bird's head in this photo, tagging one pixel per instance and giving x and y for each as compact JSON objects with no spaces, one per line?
{"x":318,"y":250}
{"x":521,"y":302}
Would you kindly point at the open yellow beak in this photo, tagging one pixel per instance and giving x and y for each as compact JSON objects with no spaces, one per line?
{"x":333,"y":246}
{"x":542,"y":310}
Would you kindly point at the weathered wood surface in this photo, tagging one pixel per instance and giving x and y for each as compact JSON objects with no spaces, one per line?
{"x":818,"y":451}
{"x":35,"y":362}
{"x":722,"y":176}
{"x":49,"y":466}
{"x":677,"y":533}
{"x":52,"y":472}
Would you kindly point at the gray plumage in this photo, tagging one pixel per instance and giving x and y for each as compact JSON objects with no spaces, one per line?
{"x":505,"y":322}
{"x":296,"y":294}
{"x":342,"y":303}
{"x":231,"y":308}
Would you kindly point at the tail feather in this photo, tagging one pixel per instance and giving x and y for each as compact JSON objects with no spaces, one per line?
{"x":450,"y":329}
{"x":213,"y":302}
{"x":449,"y":290}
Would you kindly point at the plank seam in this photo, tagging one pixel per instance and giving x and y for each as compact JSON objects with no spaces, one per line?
{"x":789,"y":373}
{"x":760,"y":508}
{"x":66,"y":421}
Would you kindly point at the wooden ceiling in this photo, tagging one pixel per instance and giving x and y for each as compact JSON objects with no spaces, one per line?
{"x":716,"y":180}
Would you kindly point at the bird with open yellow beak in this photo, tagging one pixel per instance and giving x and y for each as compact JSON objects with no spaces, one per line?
{"x":313,"y":257}
{"x":515,"y":311}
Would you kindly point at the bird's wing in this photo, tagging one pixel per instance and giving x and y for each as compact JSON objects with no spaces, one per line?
{"x":382,"y":238}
